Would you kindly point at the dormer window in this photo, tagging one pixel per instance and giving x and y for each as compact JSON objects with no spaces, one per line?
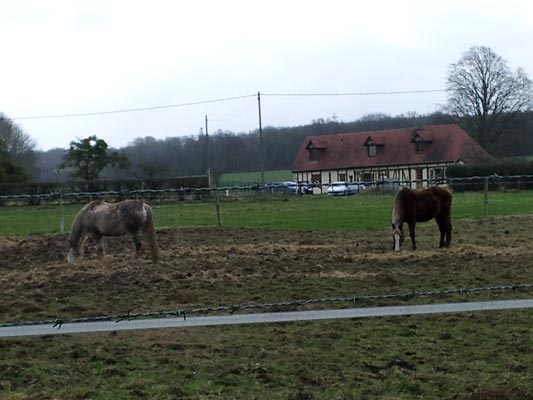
{"x":420,"y":142}
{"x":314,"y":151}
{"x":419,"y":146}
{"x":372,"y":147}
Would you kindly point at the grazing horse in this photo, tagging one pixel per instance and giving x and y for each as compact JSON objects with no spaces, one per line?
{"x":412,"y":206}
{"x":98,"y":219}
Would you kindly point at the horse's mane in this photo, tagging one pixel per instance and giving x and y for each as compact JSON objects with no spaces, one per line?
{"x":445,"y":187}
{"x":398,"y":204}
{"x":93,"y":204}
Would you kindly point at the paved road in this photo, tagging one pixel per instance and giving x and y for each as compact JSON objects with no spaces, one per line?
{"x":89,"y":327}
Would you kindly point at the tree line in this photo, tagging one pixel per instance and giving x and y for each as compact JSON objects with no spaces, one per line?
{"x":486,"y":98}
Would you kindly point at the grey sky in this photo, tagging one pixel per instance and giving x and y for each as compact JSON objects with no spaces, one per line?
{"x":68,"y":57}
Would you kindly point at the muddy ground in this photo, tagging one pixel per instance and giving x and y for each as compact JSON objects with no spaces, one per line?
{"x":407,"y":357}
{"x":223,"y":266}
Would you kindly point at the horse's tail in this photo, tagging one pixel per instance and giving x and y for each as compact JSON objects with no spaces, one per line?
{"x":150,"y":234}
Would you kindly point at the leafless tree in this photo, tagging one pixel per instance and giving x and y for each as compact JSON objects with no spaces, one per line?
{"x":485,"y":95}
{"x":16,"y":145}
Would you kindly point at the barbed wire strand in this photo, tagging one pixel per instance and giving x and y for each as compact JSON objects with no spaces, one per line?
{"x":58,"y":322}
{"x":253,"y":187}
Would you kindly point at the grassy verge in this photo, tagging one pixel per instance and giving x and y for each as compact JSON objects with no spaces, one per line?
{"x":389,"y":358}
{"x":318,"y":212}
{"x":247,"y":178}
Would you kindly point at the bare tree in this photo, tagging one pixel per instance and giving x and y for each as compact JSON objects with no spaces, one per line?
{"x":17,"y":144}
{"x":486,"y":95}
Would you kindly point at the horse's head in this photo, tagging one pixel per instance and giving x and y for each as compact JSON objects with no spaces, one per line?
{"x":73,"y":253}
{"x":397,"y":234}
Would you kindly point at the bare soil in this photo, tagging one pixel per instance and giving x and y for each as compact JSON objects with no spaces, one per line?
{"x":214,"y":266}
{"x":473,"y":356}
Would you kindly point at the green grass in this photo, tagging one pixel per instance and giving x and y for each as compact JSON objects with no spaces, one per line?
{"x":246,"y":178}
{"x":463,"y":356}
{"x":316,"y":360}
{"x":318,"y":212}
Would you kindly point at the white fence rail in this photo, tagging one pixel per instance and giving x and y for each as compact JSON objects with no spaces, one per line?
{"x":295,"y":316}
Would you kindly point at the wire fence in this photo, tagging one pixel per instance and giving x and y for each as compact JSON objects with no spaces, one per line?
{"x":473,"y":183}
{"x":231,"y":309}
{"x":518,"y":182}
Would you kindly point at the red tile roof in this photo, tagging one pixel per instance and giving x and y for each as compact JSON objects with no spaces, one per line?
{"x":441,"y":143}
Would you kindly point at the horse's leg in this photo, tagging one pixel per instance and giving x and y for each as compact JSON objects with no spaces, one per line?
{"x":442,"y":230}
{"x":412,"y":225}
{"x":100,"y":252}
{"x":136,"y":245}
{"x":445,"y":228}
{"x":448,"y":233}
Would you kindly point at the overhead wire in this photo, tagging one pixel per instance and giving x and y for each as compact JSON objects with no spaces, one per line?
{"x":133,"y":109}
{"x":354,"y":93}
{"x":139,"y":109}
{"x":234,"y":116}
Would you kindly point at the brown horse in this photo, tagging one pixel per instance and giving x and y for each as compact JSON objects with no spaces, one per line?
{"x":98,"y":219}
{"x":412,"y":206}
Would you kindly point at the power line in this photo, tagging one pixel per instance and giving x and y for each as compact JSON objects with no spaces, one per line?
{"x":354,"y":93}
{"x":129,"y":110}
{"x":234,"y":116}
{"x":133,"y":109}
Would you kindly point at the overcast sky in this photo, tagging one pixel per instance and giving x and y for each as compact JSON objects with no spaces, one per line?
{"x":71,"y":57}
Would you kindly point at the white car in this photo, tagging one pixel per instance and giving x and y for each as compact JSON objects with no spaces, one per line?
{"x":345,"y":188}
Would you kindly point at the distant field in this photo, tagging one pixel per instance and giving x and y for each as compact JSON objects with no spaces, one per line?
{"x":317,"y":212}
{"x":245,"y":178}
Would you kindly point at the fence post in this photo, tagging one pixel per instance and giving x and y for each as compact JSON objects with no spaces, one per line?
{"x":217,"y":202}
{"x":62,"y":215}
{"x":486,"y":196}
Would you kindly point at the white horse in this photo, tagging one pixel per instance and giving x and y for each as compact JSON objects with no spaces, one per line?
{"x":98,"y":219}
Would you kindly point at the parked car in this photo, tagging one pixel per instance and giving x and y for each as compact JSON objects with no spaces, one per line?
{"x":345,"y":188}
{"x":290,"y":187}
{"x":298,"y":187}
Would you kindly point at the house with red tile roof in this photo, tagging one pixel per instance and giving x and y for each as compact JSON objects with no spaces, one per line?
{"x":406,"y":154}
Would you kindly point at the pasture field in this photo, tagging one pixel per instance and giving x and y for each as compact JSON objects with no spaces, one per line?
{"x":248,"y":178}
{"x":470,"y":356}
{"x":318,"y":212}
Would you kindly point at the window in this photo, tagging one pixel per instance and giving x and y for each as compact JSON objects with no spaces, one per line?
{"x":421,"y":143}
{"x":313,"y":154}
{"x":316,"y":178}
{"x":367,"y":176}
{"x":372,"y":147}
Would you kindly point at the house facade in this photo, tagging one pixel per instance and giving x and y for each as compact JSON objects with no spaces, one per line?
{"x":408,"y":154}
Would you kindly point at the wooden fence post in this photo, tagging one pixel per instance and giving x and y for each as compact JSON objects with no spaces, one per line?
{"x":62,"y":215}
{"x":217,"y":202}
{"x":486,"y":197}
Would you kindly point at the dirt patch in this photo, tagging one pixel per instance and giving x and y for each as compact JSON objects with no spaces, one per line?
{"x":213,"y":266}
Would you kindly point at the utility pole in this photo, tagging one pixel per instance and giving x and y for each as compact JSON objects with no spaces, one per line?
{"x":208,"y":169}
{"x":217,"y":200}
{"x":261,"y":155}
